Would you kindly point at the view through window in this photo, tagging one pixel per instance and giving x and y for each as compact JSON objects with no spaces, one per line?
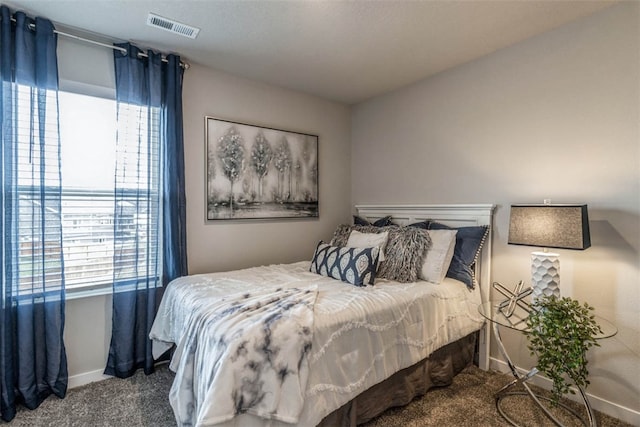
{"x":88,"y":129}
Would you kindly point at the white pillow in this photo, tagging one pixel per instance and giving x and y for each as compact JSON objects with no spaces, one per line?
{"x":368,"y":240}
{"x":436,"y":262}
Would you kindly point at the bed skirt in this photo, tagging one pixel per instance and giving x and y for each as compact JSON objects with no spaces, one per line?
{"x":402,"y":387}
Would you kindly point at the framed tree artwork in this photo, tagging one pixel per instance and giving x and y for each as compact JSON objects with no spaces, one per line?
{"x":255,"y":172}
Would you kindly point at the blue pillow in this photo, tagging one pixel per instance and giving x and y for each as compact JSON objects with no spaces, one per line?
{"x":469,"y":241}
{"x":357,"y":266}
{"x":382,"y":222}
{"x":422,"y":224}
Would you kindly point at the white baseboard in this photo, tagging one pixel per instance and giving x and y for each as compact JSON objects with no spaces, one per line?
{"x":87,"y":377}
{"x":620,"y":412}
{"x":97,"y":375}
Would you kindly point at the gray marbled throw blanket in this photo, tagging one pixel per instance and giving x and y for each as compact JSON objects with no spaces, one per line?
{"x":245,"y":353}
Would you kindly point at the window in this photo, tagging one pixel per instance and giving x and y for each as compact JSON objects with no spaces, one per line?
{"x":88,"y":129}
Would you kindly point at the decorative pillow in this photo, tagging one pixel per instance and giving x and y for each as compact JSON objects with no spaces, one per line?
{"x":343,"y":231}
{"x":422,"y":224}
{"x":368,"y":240}
{"x":357,"y":266}
{"x":382,"y":222}
{"x":404,"y":253}
{"x":469,"y":241}
{"x":438,"y":258}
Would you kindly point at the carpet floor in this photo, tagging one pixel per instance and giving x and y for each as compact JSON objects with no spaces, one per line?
{"x":142,"y":401}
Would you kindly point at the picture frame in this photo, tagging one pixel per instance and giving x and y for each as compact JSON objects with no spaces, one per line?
{"x":257,"y":173}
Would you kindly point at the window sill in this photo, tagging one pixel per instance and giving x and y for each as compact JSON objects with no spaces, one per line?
{"x":72,"y":293}
{"x":80,"y":293}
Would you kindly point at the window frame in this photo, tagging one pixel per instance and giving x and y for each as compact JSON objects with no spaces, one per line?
{"x":96,"y":287}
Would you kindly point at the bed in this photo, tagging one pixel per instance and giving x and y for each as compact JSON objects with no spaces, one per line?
{"x":281,"y":345}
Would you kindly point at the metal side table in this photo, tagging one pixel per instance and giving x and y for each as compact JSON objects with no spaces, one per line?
{"x":518,"y":321}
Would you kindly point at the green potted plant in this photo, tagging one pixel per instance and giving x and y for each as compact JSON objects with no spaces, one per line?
{"x":560,"y":331}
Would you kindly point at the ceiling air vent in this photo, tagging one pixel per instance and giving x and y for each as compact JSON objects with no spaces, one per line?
{"x":172,"y":26}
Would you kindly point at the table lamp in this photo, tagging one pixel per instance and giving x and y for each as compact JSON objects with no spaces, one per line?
{"x":548,"y":226}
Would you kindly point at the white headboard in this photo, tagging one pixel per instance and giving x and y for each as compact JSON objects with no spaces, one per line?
{"x":454,"y":216}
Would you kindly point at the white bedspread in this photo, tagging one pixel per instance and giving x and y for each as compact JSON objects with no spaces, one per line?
{"x":361,"y":335}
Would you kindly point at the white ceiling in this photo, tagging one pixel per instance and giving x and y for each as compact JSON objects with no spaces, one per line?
{"x":347,"y":51}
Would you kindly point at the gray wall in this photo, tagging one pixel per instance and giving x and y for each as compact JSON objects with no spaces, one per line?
{"x":224,"y":245}
{"x":556,"y":116}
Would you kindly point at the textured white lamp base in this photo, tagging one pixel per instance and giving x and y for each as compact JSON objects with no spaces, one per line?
{"x":545,"y":274}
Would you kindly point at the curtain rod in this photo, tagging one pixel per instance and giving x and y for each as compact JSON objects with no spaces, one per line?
{"x":183,"y":64}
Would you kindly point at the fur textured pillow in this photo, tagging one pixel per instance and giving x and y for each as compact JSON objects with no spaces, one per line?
{"x":404,"y":254}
